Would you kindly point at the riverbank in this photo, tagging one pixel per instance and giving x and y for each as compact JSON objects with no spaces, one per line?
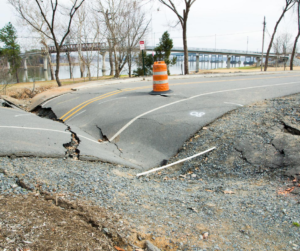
{"x":242,"y":196}
{"x":28,"y":90}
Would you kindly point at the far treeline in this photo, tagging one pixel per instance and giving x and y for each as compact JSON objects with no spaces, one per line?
{"x":120,"y":24}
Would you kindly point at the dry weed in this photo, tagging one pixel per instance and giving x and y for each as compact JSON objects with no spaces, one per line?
{"x":26,"y":93}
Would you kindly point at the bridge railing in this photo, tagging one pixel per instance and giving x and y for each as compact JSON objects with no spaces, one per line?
{"x":103,"y":47}
{"x":76,"y":47}
{"x":210,"y":50}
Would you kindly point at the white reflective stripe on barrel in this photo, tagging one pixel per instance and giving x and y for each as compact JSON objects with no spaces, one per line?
{"x":160,"y":82}
{"x":160,"y":73}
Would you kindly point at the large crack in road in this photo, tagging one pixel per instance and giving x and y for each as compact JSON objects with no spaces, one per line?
{"x":72,"y":147}
{"x":72,"y":150}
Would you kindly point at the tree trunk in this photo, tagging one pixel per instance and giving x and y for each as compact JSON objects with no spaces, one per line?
{"x":111,"y":64}
{"x":49,"y":58}
{"x":186,"y":54}
{"x":272,"y":38}
{"x":51,"y":66}
{"x":81,"y":64}
{"x":98,"y":59}
{"x":129,"y":65}
{"x":70,"y":65}
{"x":294,"y":51}
{"x":81,"y":70}
{"x":117,"y":74}
{"x":17,"y":76}
{"x":89,"y":72}
{"x":57,"y":67}
{"x":296,"y":40}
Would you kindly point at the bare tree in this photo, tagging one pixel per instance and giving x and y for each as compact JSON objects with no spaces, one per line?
{"x":45,"y":44}
{"x":65,"y":12}
{"x":68,"y":54}
{"x":282,"y":44}
{"x":297,"y":37}
{"x":137,"y":25}
{"x":90,"y":35}
{"x":115,"y":13}
{"x":110,"y":54}
{"x":288,"y":5}
{"x":80,"y":19}
{"x":41,"y":23}
{"x":183,"y":22}
{"x":125,"y":24}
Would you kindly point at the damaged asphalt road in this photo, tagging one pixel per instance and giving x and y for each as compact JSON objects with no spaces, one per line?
{"x":148,"y":130}
{"x":25,"y":134}
{"x":123,"y":124}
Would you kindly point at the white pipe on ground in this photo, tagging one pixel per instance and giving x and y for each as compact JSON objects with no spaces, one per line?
{"x":179,"y":161}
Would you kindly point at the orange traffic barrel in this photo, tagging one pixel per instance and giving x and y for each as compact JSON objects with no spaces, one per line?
{"x":160,"y":78}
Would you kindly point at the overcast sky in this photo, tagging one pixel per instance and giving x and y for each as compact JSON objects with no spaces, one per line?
{"x":224,"y":24}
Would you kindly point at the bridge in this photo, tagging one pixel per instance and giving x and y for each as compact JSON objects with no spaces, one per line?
{"x":217,"y":54}
{"x":232,"y":55}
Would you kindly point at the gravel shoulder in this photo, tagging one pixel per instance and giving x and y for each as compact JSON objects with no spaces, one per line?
{"x":242,"y":196}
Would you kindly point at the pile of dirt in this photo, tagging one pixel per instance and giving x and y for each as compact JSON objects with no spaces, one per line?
{"x":36,"y":222}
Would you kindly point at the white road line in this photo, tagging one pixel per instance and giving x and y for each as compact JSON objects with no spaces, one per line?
{"x":32,"y":128}
{"x":76,"y":115}
{"x":196,"y":96}
{"x":110,"y":100}
{"x":232,"y":103}
{"x":80,"y":136}
{"x":45,"y":129}
{"x":23,"y":115}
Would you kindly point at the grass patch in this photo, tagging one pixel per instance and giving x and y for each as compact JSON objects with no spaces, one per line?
{"x":248,"y":68}
{"x":26,"y":90}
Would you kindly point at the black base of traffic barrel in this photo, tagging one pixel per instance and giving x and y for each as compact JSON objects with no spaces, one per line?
{"x":160,"y":93}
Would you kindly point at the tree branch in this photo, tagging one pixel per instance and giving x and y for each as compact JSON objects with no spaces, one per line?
{"x":173,"y":8}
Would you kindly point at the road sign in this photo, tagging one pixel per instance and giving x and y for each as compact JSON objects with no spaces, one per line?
{"x":142,"y":45}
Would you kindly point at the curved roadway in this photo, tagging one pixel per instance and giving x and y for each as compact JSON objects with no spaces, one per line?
{"x":148,"y":129}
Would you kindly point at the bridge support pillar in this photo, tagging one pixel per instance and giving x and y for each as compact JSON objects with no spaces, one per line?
{"x":228,"y":61}
{"x":258,"y":61}
{"x":46,"y":68}
{"x":277,"y":61}
{"x":103,"y":54}
{"x":25,"y":69}
{"x":197,"y":62}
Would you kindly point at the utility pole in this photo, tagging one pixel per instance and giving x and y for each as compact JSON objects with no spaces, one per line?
{"x":98,"y":55}
{"x":263,"y":43}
